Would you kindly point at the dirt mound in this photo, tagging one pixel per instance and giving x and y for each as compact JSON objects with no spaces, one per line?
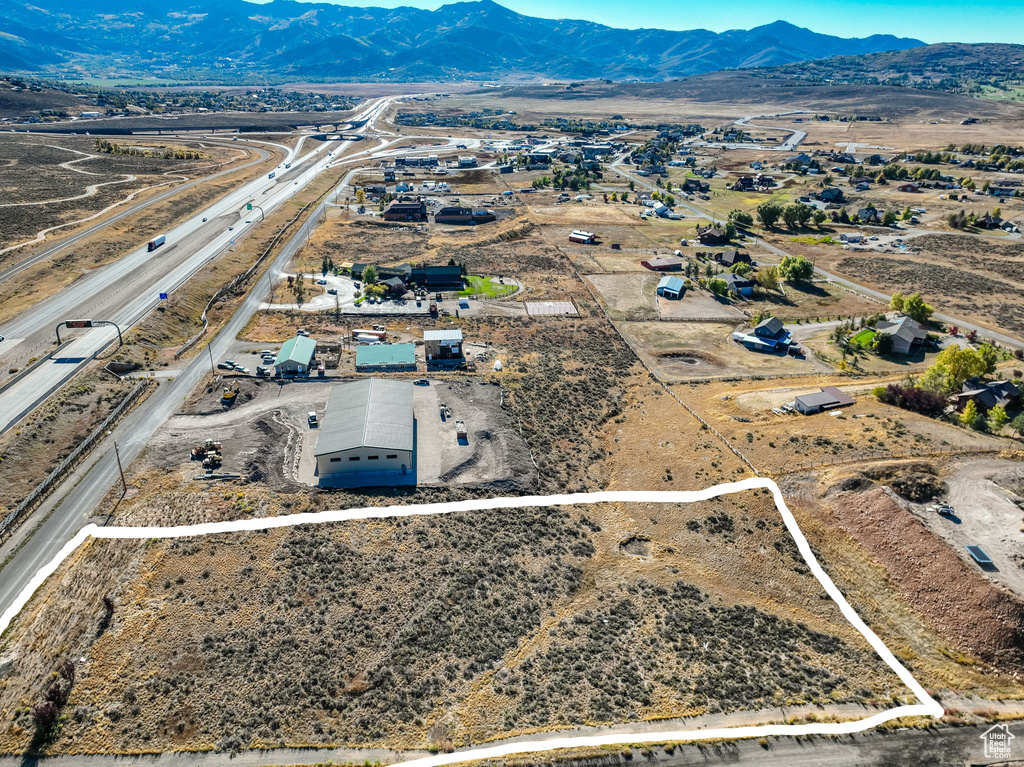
{"x":914,"y":481}
{"x":968,"y":611}
{"x":855,"y":484}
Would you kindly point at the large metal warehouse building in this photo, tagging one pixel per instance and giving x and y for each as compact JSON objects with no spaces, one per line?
{"x":367,"y":436}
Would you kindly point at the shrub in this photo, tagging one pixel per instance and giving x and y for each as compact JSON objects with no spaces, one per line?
{"x":912,"y":398}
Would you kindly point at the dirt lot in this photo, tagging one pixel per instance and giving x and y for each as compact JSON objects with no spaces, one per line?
{"x":811,"y":301}
{"x":266,"y":436}
{"x":628,"y":296}
{"x":679,"y":351}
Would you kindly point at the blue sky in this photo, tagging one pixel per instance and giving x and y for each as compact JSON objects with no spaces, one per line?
{"x":934,"y":21}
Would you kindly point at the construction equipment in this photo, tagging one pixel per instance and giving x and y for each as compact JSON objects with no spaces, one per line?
{"x":460,"y":431}
{"x":208,"y":453}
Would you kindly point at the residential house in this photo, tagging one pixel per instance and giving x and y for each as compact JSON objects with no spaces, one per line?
{"x":383,"y":272}
{"x":467,"y":161}
{"x":695,"y":185}
{"x":832,"y":194}
{"x":987,"y":395}
{"x":732,"y":257}
{"x":395,"y":285}
{"x":910,"y":186}
{"x":869,"y":216}
{"x":671,"y":287}
{"x":906,"y":333}
{"x":743,"y":184}
{"x":741,"y":286}
{"x":754,"y":343}
{"x":989,"y":222}
{"x":712,"y":236}
{"x":772,"y":329}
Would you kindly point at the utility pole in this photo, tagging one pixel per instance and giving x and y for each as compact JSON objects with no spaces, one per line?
{"x":213,"y":368}
{"x":124,"y":484}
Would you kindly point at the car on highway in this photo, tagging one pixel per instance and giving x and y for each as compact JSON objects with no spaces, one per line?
{"x":421,"y":382}
{"x":1,"y":338}
{"x":204,"y":220}
{"x":231,"y":228}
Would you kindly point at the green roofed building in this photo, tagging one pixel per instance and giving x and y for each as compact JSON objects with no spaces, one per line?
{"x":384,"y":358}
{"x":296,"y":356}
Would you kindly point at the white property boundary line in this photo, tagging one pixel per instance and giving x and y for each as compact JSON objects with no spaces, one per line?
{"x":927,"y":707}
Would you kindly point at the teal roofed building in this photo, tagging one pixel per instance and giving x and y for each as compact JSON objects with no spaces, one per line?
{"x":296,"y":356}
{"x":385,"y":358}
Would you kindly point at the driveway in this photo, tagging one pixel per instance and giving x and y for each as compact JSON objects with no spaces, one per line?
{"x":987,"y":515}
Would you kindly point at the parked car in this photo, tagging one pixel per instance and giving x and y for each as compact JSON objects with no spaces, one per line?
{"x":313,"y":422}
{"x":230,"y":363}
{"x":224,"y":366}
{"x":321,"y":282}
{"x":421,"y":382}
{"x":332,"y":291}
{"x":262,"y":372}
{"x":301,"y":332}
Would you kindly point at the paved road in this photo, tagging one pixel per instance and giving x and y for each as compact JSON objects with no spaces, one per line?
{"x":36,"y":541}
{"x":124,"y":291}
{"x":940,"y":747}
{"x":66,"y":243}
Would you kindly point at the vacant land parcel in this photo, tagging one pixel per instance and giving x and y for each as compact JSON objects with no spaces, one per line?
{"x":667,"y":632}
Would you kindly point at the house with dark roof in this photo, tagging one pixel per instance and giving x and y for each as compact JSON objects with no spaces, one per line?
{"x":695,"y":185}
{"x":741,"y":286}
{"x":732,"y":257}
{"x":712,"y":236}
{"x":987,"y":395}
{"x":771,"y":327}
{"x":906,"y":333}
{"x":437,"y":277}
{"x":831,"y":194}
{"x":406,"y":211}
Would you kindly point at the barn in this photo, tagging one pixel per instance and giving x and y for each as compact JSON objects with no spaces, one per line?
{"x":367,"y":435}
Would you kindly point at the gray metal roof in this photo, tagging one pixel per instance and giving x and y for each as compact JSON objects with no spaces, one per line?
{"x":450,"y":334}
{"x":371,"y":413}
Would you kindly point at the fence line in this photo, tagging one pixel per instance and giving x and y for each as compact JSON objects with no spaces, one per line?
{"x":891,"y":456}
{"x":40,"y":491}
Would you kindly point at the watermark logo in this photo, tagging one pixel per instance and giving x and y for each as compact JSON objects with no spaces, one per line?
{"x":997,"y":741}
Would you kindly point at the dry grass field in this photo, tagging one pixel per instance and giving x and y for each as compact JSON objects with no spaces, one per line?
{"x":663,"y":631}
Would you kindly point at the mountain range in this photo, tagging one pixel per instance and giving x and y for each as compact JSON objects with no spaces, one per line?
{"x":327,"y":42}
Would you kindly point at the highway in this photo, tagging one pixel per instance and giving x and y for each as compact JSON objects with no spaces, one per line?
{"x":124,"y":291}
{"x":74,"y":502}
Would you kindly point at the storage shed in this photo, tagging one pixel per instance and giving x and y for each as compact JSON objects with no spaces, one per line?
{"x":828,"y":398}
{"x":367,"y":436}
{"x":671,"y":287}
